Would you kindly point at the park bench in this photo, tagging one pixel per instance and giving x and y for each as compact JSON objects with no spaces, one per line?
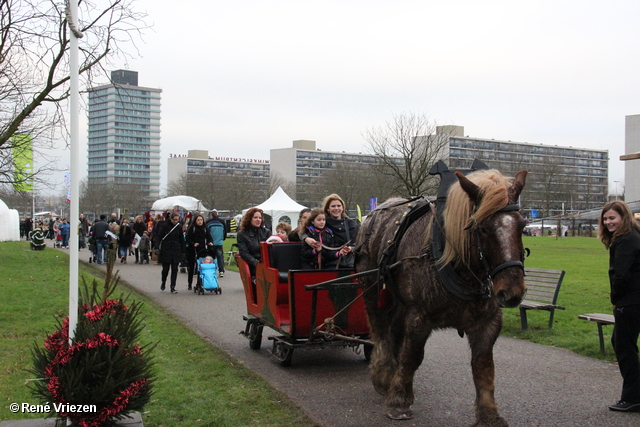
{"x":600,"y":319}
{"x":543,"y":287}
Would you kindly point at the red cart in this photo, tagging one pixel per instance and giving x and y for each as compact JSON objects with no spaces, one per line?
{"x":300,"y":305}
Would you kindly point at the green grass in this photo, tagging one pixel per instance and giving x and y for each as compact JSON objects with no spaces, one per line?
{"x":585,"y":289}
{"x":197,"y":384}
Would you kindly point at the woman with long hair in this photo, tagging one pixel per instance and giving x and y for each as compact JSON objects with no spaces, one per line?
{"x":344,"y":228}
{"x":198,"y":238}
{"x":172,"y":249}
{"x":620,"y":233}
{"x":252,"y":232}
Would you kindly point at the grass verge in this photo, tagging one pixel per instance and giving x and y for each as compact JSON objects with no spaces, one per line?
{"x":197,"y":384}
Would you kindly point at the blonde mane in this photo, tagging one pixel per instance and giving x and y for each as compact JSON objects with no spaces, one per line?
{"x":460,"y":211}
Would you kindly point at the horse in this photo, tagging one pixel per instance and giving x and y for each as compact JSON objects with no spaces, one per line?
{"x":482,"y":233}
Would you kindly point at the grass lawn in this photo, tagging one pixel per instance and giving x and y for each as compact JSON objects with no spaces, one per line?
{"x":585,"y":289}
{"x":197,"y":384}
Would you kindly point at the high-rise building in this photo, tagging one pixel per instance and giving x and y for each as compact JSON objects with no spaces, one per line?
{"x":124,"y":134}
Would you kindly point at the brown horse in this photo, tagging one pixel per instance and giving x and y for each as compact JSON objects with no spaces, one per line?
{"x":482,"y":228}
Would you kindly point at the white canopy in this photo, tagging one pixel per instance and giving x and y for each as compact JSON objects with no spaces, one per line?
{"x":9,"y":223}
{"x":185,"y":202}
{"x":281,"y":207}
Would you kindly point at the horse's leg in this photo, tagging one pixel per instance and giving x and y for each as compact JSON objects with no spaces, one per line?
{"x":382,"y":365}
{"x":482,"y":341}
{"x":410,"y":336}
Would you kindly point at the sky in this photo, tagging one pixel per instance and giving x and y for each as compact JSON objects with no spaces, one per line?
{"x":241,"y":78}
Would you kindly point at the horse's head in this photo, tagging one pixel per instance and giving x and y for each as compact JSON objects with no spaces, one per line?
{"x":495,"y":226}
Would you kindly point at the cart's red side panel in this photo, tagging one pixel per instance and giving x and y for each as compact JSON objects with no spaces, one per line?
{"x":351,"y":319}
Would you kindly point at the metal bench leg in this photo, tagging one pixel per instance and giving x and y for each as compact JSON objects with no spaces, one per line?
{"x":552,"y":312}
{"x":601,"y":337}
{"x":523,"y":319}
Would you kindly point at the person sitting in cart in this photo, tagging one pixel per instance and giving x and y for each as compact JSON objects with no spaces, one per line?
{"x":320,"y":254}
{"x":252,"y":232}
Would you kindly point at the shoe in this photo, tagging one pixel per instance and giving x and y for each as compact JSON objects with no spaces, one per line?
{"x":125,"y":261}
{"x":625,"y":407}
{"x":162,"y":287}
{"x":189,"y":288}
{"x":136,"y":261}
{"x":222,"y":274}
{"x":173,"y":291}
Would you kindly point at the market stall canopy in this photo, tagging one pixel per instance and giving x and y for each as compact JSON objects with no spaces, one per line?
{"x":185,"y":202}
{"x":46,"y":213}
{"x":281,"y":207}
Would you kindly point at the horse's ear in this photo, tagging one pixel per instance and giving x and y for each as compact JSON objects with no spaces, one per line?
{"x":518,"y":185}
{"x":470,"y":188}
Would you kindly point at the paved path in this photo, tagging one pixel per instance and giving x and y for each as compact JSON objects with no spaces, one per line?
{"x":535,"y":385}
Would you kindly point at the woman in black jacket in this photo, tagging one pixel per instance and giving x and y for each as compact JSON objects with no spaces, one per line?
{"x":125,"y":239}
{"x":172,"y":249}
{"x":344,"y":228}
{"x":620,"y":233}
{"x":252,"y":232}
{"x":198,"y":239}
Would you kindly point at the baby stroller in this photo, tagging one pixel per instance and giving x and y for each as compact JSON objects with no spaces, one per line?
{"x":207,"y":273}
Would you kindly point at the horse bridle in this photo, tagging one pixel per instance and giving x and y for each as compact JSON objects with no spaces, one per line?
{"x":507,"y":264}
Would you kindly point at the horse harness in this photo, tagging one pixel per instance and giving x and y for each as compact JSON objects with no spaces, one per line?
{"x":418,"y":207}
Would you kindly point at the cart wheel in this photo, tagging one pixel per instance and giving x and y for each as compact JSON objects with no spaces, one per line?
{"x":368,"y":349}
{"x":255,"y":335}
{"x":283,"y":353}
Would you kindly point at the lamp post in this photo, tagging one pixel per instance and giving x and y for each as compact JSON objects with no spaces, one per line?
{"x":616,"y":189}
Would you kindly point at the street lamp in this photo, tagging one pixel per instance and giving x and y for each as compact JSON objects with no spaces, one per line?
{"x":616,"y":189}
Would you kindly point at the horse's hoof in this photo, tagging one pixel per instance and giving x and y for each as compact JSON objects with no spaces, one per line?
{"x":400,"y":414}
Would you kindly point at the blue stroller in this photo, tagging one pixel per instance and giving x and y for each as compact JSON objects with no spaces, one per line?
{"x":207,"y":273}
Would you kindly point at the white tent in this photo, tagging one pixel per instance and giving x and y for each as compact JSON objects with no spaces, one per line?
{"x":9,"y":223}
{"x":185,"y":202}
{"x":281,"y":207}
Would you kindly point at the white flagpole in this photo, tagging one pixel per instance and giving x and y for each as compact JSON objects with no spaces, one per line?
{"x":74,"y":209}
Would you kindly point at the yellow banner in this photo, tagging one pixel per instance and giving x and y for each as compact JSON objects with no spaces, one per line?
{"x":22,"y":151}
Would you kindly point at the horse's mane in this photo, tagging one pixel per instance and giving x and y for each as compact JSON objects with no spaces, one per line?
{"x":460,"y":212}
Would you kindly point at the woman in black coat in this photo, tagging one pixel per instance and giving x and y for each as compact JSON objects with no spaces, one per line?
{"x":198,"y":239}
{"x":125,"y":239}
{"x":620,"y":233}
{"x":344,"y":228}
{"x":252,"y":232}
{"x":172,"y":249}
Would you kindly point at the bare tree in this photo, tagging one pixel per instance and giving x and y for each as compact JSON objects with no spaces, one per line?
{"x":407,"y":146}
{"x":34,"y":66}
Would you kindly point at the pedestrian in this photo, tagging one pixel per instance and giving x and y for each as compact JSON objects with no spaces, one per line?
{"x":198,"y":239}
{"x":218,"y":233}
{"x":139,"y":227}
{"x":144,"y":246}
{"x":297,"y":232}
{"x":65,"y":232}
{"x":83,"y":231}
{"x":99,"y":234}
{"x":620,"y":234}
{"x":28,"y":227}
{"x":172,"y":250}
{"x":125,"y":239}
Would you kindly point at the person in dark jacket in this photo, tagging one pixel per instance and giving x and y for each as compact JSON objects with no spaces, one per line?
{"x":344,"y":229}
{"x":252,"y":232}
{"x":99,"y":235}
{"x":172,"y":249}
{"x":125,"y":239}
{"x":620,"y":233}
{"x":198,"y":239}
{"x":319,"y":256}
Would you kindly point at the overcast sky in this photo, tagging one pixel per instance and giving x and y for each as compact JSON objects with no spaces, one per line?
{"x":241,"y":78}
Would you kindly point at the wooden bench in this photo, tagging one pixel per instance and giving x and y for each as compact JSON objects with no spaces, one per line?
{"x":543,"y":288}
{"x":600,"y":319}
